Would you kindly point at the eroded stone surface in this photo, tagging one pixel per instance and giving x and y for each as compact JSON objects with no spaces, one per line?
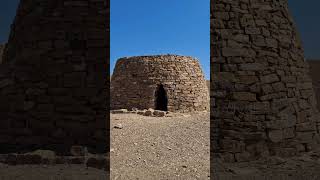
{"x":2,"y":46}
{"x":261,"y":95}
{"x":47,"y":157}
{"x":53,"y":88}
{"x":136,"y":79}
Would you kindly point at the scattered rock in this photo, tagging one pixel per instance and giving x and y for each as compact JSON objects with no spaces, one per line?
{"x":47,"y":154}
{"x":119,"y":111}
{"x":78,"y":151}
{"x":148,"y":113}
{"x":159,"y":113}
{"x":140,"y":112}
{"x":77,"y":160}
{"x":99,"y":163}
{"x":244,"y":171}
{"x":118,"y":126}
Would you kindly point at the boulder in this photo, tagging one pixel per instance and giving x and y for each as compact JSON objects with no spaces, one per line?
{"x":119,"y":111}
{"x":159,"y":113}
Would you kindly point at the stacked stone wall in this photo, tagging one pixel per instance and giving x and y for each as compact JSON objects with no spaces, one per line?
{"x":2,"y":46}
{"x":262,"y":98}
{"x":53,"y":80}
{"x":135,"y":81}
{"x":314,"y":73}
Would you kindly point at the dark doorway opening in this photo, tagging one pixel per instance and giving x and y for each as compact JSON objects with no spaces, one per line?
{"x":161,"y":98}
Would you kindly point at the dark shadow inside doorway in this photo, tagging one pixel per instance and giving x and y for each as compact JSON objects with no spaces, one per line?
{"x":161,"y":99}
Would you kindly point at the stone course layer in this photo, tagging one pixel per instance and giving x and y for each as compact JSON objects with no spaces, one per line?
{"x":262,"y":99}
{"x":135,"y":81}
{"x":53,"y":79}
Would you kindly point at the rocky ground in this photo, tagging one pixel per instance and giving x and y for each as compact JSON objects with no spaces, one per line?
{"x":177,"y":147}
{"x":145,"y":147}
{"x":305,"y":167}
{"x":46,"y":165}
{"x":51,"y":172}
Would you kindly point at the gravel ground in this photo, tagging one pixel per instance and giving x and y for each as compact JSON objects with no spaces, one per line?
{"x":305,"y":167}
{"x":148,"y":148}
{"x":46,"y":172}
{"x":178,"y":148}
{"x":165,"y":148}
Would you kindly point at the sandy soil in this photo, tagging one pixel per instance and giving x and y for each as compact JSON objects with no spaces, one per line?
{"x":165,"y":148}
{"x":160,"y":147}
{"x":178,"y":148}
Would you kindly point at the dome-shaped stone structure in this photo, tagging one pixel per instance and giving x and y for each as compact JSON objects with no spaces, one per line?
{"x":262,"y":97}
{"x":53,"y":90}
{"x":163,"y":82}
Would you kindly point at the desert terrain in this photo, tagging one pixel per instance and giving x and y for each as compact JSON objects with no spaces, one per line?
{"x":175,"y":147}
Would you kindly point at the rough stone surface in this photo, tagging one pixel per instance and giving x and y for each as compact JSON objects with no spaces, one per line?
{"x":46,"y":157}
{"x":2,"y":46}
{"x":262,"y":99}
{"x":314,"y":73}
{"x":49,"y":172}
{"x":136,"y":79}
{"x":53,"y":88}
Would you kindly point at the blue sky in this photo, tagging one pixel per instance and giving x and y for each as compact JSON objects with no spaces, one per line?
{"x":7,"y":13}
{"x":144,"y":27}
{"x":306,"y":15}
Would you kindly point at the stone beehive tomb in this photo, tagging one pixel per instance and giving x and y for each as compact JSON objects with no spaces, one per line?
{"x":53,"y":92}
{"x":164,"y":82}
{"x":261,"y":96}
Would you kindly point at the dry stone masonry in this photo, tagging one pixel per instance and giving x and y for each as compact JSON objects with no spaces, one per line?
{"x":2,"y":46}
{"x":314,"y":73}
{"x":163,"y":82}
{"x":262,"y":99}
{"x":53,"y":88}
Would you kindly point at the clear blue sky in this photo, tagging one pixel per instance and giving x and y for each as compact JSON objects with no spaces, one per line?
{"x":149,"y":27}
{"x":174,"y":26}
{"x":7,"y":13}
{"x":306,"y":15}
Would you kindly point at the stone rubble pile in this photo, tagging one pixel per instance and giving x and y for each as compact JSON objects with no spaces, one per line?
{"x":47,"y":157}
{"x":145,"y":112}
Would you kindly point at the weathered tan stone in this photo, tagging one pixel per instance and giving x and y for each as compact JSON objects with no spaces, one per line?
{"x":137,"y":80}
{"x":78,"y":151}
{"x":275,"y":135}
{"x":244,"y":96}
{"x":159,"y":113}
{"x":148,"y":113}
{"x":258,"y":60}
